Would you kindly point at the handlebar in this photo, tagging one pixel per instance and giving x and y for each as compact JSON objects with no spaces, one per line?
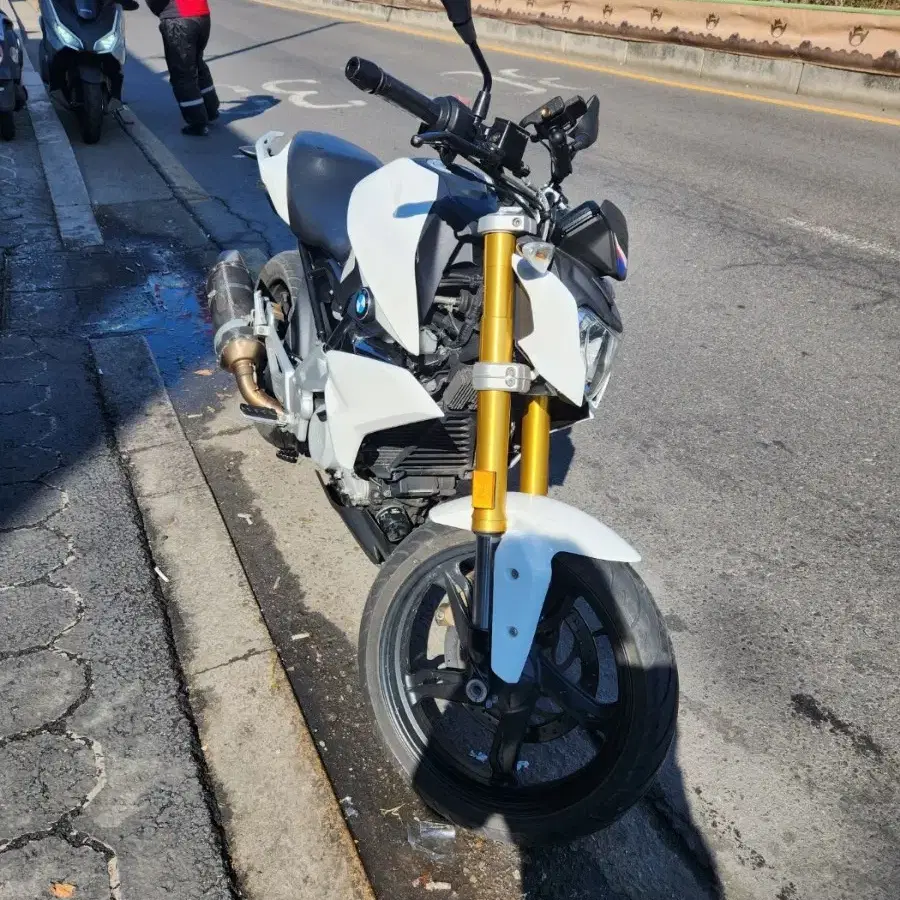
{"x":372,"y":79}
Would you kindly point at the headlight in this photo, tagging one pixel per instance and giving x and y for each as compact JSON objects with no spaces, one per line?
{"x":66,"y":37}
{"x":63,"y":35}
{"x":598,"y":346}
{"x":109,"y":43}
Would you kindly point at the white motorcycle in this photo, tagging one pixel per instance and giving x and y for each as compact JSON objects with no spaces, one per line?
{"x":438,"y":320}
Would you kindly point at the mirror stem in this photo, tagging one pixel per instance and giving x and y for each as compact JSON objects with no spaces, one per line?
{"x":483,"y":100}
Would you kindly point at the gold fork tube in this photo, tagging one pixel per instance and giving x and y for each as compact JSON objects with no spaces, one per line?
{"x":535,"y":464}
{"x":492,"y":447}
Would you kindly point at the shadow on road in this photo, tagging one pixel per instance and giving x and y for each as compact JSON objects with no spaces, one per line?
{"x":279,"y":40}
{"x":247,"y":107}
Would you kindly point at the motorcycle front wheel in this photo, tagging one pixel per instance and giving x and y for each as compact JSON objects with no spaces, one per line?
{"x":601,"y":667}
{"x":91,"y":111}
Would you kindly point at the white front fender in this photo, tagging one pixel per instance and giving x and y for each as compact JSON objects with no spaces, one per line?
{"x":537,"y":529}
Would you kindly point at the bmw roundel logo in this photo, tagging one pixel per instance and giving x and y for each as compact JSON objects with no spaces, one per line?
{"x":362,"y":304}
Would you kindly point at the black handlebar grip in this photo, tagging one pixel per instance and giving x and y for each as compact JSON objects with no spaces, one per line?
{"x":372,"y":79}
{"x":364,"y":74}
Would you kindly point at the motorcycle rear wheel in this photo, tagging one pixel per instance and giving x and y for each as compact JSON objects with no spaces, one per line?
{"x":435,"y":742}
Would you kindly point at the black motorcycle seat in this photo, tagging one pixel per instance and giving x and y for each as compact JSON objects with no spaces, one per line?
{"x":322,"y":171}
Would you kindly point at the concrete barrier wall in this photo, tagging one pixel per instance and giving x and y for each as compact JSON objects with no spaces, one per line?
{"x":793,"y":76}
{"x":848,"y":38}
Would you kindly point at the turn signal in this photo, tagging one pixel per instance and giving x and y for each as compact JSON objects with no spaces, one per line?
{"x":539,"y":254}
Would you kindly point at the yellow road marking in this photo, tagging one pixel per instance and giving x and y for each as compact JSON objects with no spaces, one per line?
{"x":591,"y":67}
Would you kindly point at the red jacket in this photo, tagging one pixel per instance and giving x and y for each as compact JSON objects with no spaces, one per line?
{"x":178,"y":9}
{"x":189,"y":8}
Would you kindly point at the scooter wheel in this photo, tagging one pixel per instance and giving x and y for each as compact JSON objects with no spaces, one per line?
{"x":93,"y":107}
{"x":552,"y":773}
{"x":7,"y":126}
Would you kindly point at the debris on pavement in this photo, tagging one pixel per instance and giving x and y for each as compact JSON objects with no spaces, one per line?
{"x":62,"y":889}
{"x":277,"y":582}
{"x":246,"y":517}
{"x":350,"y":811}
{"x":302,"y":636}
{"x":393,"y":811}
{"x":203,"y":372}
{"x":425,"y":881}
{"x":522,"y":765}
{"x":162,"y":576}
{"x":479,"y":756}
{"x":433,"y":839}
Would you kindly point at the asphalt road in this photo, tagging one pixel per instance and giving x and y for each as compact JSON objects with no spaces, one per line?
{"x":748,"y":446}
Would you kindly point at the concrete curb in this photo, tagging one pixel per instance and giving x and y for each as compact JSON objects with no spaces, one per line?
{"x":791,"y":76}
{"x":183,"y":185}
{"x":285,"y":832}
{"x":68,"y":192}
{"x":213,"y":217}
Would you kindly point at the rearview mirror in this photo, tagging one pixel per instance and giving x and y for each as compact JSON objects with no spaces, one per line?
{"x":459,"y":12}
{"x":587,"y":130}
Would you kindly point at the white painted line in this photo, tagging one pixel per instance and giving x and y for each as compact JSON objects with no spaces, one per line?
{"x":68,"y":192}
{"x":298,"y":98}
{"x":851,"y":242}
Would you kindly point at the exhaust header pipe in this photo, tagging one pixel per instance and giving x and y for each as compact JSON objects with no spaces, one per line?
{"x":229,"y":295}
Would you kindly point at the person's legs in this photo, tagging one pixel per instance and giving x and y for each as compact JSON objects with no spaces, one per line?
{"x":180,"y":46}
{"x":204,"y":76}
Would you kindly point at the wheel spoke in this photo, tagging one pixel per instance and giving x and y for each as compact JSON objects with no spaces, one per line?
{"x":437,"y":684}
{"x":458,"y":589}
{"x":508,"y":738}
{"x":579,"y":704}
{"x":573,"y":653}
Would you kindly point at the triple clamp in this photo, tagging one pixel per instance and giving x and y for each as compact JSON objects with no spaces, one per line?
{"x":512,"y":377}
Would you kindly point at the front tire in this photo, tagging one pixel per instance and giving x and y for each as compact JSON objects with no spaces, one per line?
{"x":583,"y":802}
{"x":91,"y":111}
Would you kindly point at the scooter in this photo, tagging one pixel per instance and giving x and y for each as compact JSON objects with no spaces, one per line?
{"x":82,"y":56}
{"x":13,"y":94}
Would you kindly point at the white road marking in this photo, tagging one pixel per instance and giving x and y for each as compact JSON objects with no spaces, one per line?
{"x":238,"y":89}
{"x":275,"y":86}
{"x":524,"y":83}
{"x":298,"y":98}
{"x":843,"y":239}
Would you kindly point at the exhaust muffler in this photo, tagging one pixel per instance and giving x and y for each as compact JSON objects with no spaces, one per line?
{"x":229,"y":295}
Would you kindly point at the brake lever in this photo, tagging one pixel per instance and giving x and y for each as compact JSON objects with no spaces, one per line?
{"x":454,"y":143}
{"x":446,"y":138}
